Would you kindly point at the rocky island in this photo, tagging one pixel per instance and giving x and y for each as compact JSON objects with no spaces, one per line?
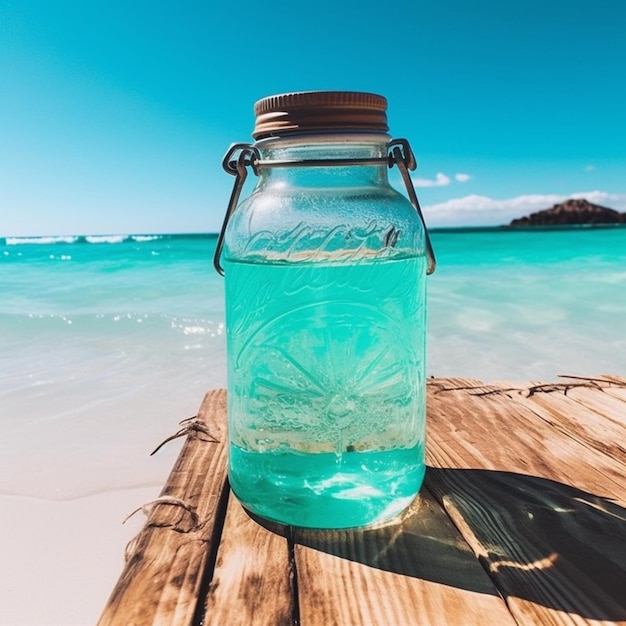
{"x":572,"y":212}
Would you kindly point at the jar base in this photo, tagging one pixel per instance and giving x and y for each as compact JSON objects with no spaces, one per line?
{"x":319,"y":491}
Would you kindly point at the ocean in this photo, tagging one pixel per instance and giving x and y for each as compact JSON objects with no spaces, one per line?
{"x":106,"y":343}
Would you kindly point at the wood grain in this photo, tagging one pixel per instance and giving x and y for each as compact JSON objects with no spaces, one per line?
{"x":582,"y":415}
{"x":471,"y":425}
{"x":538,"y":499}
{"x":415,"y":570}
{"x":164,"y":571}
{"x":253,"y":579}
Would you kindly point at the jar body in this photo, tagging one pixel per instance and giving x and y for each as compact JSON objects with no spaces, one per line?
{"x":325,"y":314}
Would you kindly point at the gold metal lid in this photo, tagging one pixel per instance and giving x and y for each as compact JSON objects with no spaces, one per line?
{"x":321,"y":111}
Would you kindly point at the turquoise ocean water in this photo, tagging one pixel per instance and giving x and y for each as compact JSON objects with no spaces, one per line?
{"x":107,"y":342}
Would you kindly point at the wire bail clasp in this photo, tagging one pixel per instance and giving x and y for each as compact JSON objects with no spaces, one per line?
{"x":249,"y":156}
{"x":400,"y":154}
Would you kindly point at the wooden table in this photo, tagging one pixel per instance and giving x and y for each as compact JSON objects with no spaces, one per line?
{"x":521,"y":520}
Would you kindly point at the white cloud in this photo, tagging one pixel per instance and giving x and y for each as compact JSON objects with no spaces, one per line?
{"x":441,"y":180}
{"x":590,"y":168}
{"x":475,"y":210}
{"x":612,"y":200}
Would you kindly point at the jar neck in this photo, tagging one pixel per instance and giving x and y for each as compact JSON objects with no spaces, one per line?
{"x":310,"y":151}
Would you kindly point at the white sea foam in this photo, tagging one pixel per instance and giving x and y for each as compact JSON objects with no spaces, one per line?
{"x":106,"y":238}
{"x":69,"y":239}
{"x":144,"y":238}
{"x":15,"y":241}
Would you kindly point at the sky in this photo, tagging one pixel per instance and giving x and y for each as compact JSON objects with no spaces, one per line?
{"x":115,"y":116}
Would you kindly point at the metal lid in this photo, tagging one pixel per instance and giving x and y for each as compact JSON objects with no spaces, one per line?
{"x":321,"y":111}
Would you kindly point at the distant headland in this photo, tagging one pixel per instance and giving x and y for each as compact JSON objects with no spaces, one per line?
{"x":572,"y":212}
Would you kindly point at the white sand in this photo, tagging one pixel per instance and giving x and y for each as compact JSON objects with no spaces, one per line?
{"x":61,"y":559}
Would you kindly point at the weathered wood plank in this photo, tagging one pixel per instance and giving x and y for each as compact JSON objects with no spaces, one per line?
{"x":558,"y":554}
{"x":540,"y":508}
{"x":165,"y":564}
{"x":252,"y":581}
{"x":415,"y":570}
{"x":601,"y":401}
{"x":620,"y":390}
{"x":486,"y":427}
{"x":577,"y":415}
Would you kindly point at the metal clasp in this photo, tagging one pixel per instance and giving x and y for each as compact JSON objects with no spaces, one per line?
{"x":400,"y":154}
{"x":249,"y":156}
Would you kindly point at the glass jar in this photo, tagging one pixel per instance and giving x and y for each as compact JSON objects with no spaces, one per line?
{"x":325,"y":288}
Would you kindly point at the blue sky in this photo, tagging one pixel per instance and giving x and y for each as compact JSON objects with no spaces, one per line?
{"x":114,"y":116}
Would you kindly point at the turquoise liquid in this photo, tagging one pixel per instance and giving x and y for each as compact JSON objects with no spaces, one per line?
{"x":325,"y":381}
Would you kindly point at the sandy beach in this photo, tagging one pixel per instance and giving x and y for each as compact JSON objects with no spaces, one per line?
{"x":43,"y":581}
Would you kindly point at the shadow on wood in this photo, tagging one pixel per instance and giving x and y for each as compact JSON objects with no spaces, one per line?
{"x":422,"y":543}
{"x":569,"y":546}
{"x":568,"y":552}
